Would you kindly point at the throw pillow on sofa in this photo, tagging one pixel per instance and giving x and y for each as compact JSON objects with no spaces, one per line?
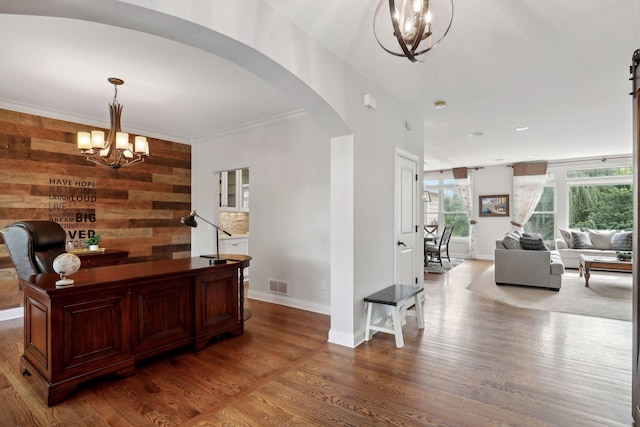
{"x":601,"y":239}
{"x":581,"y":240}
{"x":535,"y":235}
{"x":533,"y":244}
{"x":511,"y":241}
{"x":622,"y":241}
{"x":567,"y":236}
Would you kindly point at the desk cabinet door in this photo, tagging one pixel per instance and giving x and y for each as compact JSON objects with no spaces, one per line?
{"x":93,"y":334}
{"x":217,"y":302}
{"x":162,"y":315}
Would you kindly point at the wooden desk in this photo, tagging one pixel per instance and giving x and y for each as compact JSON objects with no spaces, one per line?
{"x":116,"y":315}
{"x":101,"y":258}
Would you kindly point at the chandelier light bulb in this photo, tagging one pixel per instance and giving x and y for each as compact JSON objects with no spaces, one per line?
{"x":408,"y":27}
{"x":97,"y":139}
{"x":141,"y":145}
{"x":122,"y":141}
{"x":84,"y":141}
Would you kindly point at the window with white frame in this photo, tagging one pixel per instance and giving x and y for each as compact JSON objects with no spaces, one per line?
{"x":542,"y":219}
{"x":600,"y":198}
{"x":583,"y":196}
{"x":444,"y":207}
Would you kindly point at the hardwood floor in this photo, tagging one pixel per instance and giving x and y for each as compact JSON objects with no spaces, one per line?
{"x":477,"y":362}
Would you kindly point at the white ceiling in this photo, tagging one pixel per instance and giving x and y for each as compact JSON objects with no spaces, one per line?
{"x":560,"y":68}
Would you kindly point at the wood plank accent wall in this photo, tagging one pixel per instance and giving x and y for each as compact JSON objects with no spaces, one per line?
{"x":44,"y":177}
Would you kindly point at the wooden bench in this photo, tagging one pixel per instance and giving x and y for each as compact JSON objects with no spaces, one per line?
{"x":396,"y":296}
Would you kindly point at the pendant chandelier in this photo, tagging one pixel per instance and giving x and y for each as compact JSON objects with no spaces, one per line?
{"x":418,"y":26}
{"x":116,"y":151}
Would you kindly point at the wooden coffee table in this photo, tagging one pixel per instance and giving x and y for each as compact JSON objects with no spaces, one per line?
{"x":611,"y":263}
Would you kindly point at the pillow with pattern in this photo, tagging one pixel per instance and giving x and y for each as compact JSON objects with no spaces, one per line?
{"x":567,"y":236}
{"x":533,"y":244}
{"x":581,"y":240}
{"x":622,"y":241}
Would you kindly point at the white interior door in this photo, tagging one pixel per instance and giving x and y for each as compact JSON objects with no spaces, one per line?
{"x":406,"y":215}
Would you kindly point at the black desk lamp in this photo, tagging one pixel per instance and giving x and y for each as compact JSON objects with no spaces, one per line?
{"x":191,"y":222}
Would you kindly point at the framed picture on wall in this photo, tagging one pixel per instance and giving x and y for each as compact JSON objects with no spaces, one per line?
{"x":495,"y":205}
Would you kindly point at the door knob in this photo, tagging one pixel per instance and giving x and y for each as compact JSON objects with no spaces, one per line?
{"x":401,"y":244}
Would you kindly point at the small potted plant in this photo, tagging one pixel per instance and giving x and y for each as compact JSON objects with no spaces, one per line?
{"x":624,"y":255}
{"x":92,"y":242}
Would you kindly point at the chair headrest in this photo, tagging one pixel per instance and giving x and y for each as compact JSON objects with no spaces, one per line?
{"x":44,"y":233}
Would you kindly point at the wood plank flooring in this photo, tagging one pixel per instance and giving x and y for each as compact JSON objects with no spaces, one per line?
{"x":478,"y":362}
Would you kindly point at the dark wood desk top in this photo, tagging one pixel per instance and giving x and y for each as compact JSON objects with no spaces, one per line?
{"x":88,"y":253}
{"x":124,"y":273}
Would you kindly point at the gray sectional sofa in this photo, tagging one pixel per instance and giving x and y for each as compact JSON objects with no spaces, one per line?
{"x":535,"y":266}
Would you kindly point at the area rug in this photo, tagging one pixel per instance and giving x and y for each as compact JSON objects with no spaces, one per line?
{"x":609,"y":295}
{"x":434,"y":267}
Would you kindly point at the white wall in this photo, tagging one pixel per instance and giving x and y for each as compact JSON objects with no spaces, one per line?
{"x":485,"y":181}
{"x":488,"y":181}
{"x":289,"y":165}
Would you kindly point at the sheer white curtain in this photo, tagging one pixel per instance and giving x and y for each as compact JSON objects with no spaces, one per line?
{"x":528,"y":185}
{"x":463,"y":185}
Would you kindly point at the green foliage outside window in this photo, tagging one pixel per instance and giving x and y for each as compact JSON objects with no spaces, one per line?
{"x":602,"y":207}
{"x":445,"y":208}
{"x":599,"y":172}
{"x":454,"y":213}
{"x":593,"y":204}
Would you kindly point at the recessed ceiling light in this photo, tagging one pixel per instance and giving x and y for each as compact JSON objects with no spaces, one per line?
{"x":498,"y":160}
{"x":521,"y":128}
{"x":440,"y":105}
{"x":476,"y":134}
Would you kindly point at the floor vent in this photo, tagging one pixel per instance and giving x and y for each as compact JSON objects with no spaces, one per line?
{"x":279,"y":287}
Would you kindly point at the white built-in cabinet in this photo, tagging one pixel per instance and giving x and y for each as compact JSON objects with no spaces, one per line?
{"x":236,"y":245}
{"x":234,"y":190}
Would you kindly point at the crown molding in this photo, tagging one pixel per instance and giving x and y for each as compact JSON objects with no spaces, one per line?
{"x":59,"y":115}
{"x":258,"y":123}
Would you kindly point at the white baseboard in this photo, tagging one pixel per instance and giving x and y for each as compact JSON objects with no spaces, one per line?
{"x":289,"y":302}
{"x":345,"y":340}
{"x":11,"y":313}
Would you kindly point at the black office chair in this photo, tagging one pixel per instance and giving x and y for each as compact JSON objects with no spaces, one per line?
{"x":33,"y":245}
{"x":433,"y":251}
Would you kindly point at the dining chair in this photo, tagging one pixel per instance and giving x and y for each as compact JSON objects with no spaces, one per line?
{"x":431,"y":233}
{"x":434,"y":251}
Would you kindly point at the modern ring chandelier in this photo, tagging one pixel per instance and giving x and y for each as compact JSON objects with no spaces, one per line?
{"x":116,"y":151}
{"x":418,"y":26}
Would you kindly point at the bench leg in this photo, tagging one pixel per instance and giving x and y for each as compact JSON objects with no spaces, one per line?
{"x":419,"y":311}
{"x":367,"y":333}
{"x":397,"y":326}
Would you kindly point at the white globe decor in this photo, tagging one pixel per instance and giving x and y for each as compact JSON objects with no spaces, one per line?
{"x":65,"y":265}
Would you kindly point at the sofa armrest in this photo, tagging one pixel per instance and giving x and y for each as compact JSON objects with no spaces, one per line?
{"x":561,"y":244}
{"x":522,"y":267}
